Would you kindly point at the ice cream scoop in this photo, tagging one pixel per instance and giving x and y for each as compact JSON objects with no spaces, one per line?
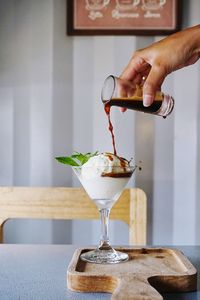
{"x":105,"y":164}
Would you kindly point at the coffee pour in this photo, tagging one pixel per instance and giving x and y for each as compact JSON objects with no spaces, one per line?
{"x":123,"y":93}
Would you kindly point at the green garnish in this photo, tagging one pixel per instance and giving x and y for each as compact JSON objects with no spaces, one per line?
{"x":76,"y":159}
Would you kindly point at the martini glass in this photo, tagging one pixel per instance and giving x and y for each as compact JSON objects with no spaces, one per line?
{"x":104,"y":188}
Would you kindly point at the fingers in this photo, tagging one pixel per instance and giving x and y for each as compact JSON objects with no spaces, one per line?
{"x":122,"y":109}
{"x":135,"y":66}
{"x":153,"y":82}
{"x":138,"y":68}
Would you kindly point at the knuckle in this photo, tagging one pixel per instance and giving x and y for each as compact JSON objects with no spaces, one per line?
{"x":160,"y":67}
{"x":137,"y":55}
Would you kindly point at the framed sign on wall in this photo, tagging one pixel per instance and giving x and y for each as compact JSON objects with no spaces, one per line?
{"x":123,"y":17}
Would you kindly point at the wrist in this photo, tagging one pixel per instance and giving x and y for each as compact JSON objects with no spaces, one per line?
{"x":195,"y":38}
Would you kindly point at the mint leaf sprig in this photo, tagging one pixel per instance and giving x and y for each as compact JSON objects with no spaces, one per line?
{"x":76,"y":159}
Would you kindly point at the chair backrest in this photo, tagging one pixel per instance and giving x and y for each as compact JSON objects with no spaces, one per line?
{"x":72,"y":203}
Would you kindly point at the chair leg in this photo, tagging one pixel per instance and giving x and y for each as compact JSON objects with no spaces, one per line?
{"x":2,"y":221}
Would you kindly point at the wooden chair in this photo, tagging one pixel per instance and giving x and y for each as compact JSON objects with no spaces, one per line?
{"x":72,"y":203}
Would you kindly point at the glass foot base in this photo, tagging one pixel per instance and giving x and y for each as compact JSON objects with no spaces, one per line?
{"x":98,"y":256}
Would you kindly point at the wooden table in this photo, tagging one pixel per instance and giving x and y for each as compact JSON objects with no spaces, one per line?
{"x":30,"y":272}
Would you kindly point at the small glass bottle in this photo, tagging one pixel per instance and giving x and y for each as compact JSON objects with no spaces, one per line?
{"x":123,"y":93}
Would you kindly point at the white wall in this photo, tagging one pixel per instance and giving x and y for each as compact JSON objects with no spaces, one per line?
{"x":50,"y":105}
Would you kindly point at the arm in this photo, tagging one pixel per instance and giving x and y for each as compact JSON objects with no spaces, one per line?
{"x":161,"y":58}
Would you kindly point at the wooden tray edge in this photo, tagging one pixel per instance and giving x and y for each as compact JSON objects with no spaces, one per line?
{"x":189,"y":278}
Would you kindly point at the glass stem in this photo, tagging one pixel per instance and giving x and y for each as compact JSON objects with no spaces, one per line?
{"x":104,"y":242}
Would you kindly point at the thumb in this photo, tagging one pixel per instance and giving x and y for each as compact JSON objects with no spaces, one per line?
{"x":153,"y":82}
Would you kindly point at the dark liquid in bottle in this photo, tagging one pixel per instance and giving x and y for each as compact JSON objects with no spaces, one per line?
{"x":134,"y":104}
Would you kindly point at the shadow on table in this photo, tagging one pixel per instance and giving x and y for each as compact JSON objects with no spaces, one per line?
{"x":89,"y":296}
{"x":181,"y":296}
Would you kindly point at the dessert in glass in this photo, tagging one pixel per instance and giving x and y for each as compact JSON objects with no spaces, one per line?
{"x":104,"y":177}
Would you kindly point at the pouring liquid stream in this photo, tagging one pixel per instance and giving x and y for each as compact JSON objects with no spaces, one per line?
{"x":107,"y":111}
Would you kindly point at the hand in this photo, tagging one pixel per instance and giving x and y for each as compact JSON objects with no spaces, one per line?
{"x":158,"y":60}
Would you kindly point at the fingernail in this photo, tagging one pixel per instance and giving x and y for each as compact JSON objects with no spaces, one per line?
{"x":147,"y":100}
{"x":122,"y":109}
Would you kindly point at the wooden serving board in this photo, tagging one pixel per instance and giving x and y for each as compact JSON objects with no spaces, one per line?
{"x":148,"y":271}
